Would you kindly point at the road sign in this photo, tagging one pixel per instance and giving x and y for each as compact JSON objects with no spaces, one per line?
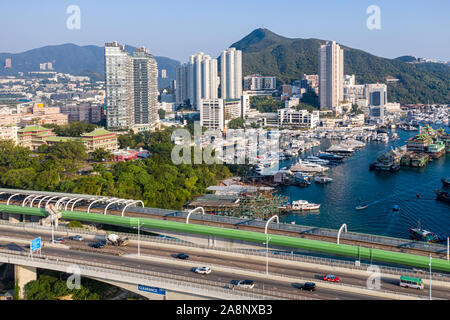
{"x":151,"y":289}
{"x":35,"y":244}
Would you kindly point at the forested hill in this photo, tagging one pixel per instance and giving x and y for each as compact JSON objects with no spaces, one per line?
{"x":73,"y":59}
{"x":267,"y":53}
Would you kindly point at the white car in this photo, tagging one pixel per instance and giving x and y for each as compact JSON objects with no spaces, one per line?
{"x":203,"y":270}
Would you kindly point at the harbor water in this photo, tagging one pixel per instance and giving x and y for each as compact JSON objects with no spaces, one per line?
{"x":352,"y":180}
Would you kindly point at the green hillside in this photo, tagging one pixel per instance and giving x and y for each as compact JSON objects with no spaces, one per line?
{"x":267,"y":53}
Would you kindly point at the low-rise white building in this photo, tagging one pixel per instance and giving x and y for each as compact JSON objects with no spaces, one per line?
{"x":298,"y":118}
{"x":9,"y":133}
{"x":215,"y":113}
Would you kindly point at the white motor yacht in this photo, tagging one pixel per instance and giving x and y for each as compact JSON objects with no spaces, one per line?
{"x":303,"y":205}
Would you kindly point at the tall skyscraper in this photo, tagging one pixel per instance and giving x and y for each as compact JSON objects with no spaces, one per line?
{"x":331,"y":75}
{"x":119,"y":86}
{"x":145,"y":74}
{"x":231,"y":74}
{"x":181,"y":90}
{"x":197,"y":80}
{"x":131,"y":87}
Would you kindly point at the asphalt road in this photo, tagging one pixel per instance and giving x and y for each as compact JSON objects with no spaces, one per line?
{"x":81,"y":250}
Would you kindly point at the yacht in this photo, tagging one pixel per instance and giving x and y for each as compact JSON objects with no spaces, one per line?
{"x":329,"y":156}
{"x":303,"y":205}
{"x":305,"y":166}
{"x":317,"y":160}
{"x":322,"y":179}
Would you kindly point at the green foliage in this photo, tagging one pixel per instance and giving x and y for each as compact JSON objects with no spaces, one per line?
{"x":16,"y":292}
{"x":270,"y":54}
{"x":310,"y":98}
{"x":134,"y":141}
{"x":74,"y":224}
{"x":265,"y":104}
{"x":237,"y":123}
{"x":356,"y":109}
{"x":161,"y":113}
{"x":72,"y":129}
{"x":101,"y":154}
{"x":49,"y":287}
{"x":156,"y":180}
{"x":305,"y":106}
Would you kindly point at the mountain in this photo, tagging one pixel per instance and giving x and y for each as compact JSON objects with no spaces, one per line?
{"x":406,"y":58}
{"x":73,"y":59}
{"x":267,"y":53}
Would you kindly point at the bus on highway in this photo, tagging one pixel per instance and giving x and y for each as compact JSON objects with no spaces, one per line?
{"x":409,"y":282}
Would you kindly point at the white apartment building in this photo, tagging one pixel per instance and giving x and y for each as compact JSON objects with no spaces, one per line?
{"x":215,"y":113}
{"x":298,"y":118}
{"x":145,"y":74}
{"x":331,"y":75}
{"x":260,"y":83}
{"x":119,"y":86}
{"x":231,"y":74}
{"x":9,"y":133}
{"x":197,"y":80}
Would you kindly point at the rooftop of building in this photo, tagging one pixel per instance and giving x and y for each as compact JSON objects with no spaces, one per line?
{"x":97,"y":132}
{"x":34,"y":128}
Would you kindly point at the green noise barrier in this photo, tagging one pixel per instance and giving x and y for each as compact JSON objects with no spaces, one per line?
{"x":250,"y":236}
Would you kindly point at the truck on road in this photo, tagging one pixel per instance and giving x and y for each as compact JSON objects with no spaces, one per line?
{"x":116,"y":240}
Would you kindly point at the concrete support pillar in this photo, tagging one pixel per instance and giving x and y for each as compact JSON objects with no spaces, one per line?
{"x":23,"y":275}
{"x":14,"y":218}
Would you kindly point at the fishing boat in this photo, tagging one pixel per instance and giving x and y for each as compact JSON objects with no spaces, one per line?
{"x":303,"y":205}
{"x":445,"y":182}
{"x":423,"y":235}
{"x":442,"y":196}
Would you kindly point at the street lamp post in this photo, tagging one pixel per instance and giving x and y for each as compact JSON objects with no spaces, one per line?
{"x":53,"y":232}
{"x":448,"y":248}
{"x":267,"y":241}
{"x":139,"y":238}
{"x":430,"y":276}
{"x":267,"y":254}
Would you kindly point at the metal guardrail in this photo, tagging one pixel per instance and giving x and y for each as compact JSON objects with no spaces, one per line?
{"x":261,"y":253}
{"x":179,"y":281}
{"x":204,"y":286}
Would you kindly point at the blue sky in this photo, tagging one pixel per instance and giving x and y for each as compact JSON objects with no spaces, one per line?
{"x":179,"y":28}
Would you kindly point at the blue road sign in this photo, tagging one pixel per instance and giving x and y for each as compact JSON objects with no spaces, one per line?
{"x":151,"y":289}
{"x":35,"y":244}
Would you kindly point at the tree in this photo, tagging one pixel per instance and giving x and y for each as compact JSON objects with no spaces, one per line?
{"x":101,"y":154}
{"x":265,"y":104}
{"x":68,"y":153}
{"x":310,"y":98}
{"x":237,"y":123}
{"x":162,"y":113}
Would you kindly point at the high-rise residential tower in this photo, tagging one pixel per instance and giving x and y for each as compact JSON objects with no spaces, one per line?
{"x":131,"y":87}
{"x":231,"y":74}
{"x":197,"y":80}
{"x":119,"y":86}
{"x":331,"y":75}
{"x":181,"y":90}
{"x":145,"y":80}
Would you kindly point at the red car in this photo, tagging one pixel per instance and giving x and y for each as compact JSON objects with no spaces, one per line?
{"x":331,"y":278}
